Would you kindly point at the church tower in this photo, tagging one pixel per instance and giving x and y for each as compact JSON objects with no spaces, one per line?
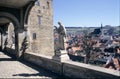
{"x":102,"y":32}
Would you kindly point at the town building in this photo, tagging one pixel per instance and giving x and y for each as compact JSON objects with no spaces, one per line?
{"x":38,"y":29}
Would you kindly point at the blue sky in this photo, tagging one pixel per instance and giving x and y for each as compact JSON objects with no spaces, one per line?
{"x":87,"y":12}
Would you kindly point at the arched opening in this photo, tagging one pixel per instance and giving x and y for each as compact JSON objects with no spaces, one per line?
{"x":11,"y":36}
{"x":10,"y":25}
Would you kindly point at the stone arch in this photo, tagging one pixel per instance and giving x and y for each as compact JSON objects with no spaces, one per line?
{"x":26,"y":23}
{"x":12,"y":18}
{"x":27,"y":12}
{"x":16,"y":26}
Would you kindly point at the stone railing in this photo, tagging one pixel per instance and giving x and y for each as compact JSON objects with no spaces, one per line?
{"x":72,"y":69}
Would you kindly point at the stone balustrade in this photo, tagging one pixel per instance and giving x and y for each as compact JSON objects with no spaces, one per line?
{"x":70,"y":68}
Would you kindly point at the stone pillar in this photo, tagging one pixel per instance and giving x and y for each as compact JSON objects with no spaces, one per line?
{"x":18,"y":42}
{"x":3,"y":38}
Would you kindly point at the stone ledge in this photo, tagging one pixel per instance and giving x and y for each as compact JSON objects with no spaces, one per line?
{"x":95,"y":68}
{"x":44,"y":61}
{"x":81,"y":70}
{"x":37,"y":54}
{"x":72,"y":69}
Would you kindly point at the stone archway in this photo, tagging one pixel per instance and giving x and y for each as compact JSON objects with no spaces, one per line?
{"x":17,"y":12}
{"x":16,"y":26}
{"x":10,"y":17}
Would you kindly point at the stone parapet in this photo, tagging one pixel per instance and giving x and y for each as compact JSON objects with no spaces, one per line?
{"x":71,"y":69}
{"x":44,"y":61}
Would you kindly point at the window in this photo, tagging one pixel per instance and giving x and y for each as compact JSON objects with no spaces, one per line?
{"x":48,"y":5}
{"x":34,"y":36}
{"x":37,"y":3}
{"x":39,"y":19}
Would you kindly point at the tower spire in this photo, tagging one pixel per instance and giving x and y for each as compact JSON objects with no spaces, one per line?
{"x":101,"y":25}
{"x":102,"y":30}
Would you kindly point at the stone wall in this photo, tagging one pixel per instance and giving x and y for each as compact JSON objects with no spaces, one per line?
{"x":44,"y":61}
{"x":39,"y":31}
{"x":40,"y":24}
{"x":72,"y":69}
{"x":81,"y":70}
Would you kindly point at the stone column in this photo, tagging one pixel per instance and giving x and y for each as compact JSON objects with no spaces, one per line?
{"x":3,"y":38}
{"x":18,"y":42}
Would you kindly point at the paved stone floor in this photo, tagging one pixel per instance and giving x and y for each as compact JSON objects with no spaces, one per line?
{"x":10,"y":68}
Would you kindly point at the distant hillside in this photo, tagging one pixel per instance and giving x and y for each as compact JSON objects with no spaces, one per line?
{"x":107,"y":28}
